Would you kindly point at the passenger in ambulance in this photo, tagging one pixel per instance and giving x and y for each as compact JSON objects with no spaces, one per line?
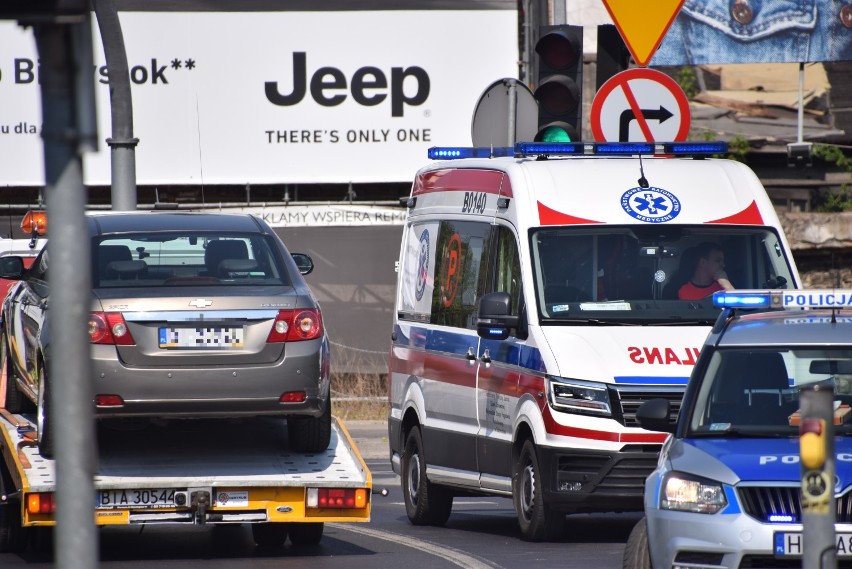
{"x":708,"y":275}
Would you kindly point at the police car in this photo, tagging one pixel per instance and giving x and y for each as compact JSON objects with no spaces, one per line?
{"x":726,"y":490}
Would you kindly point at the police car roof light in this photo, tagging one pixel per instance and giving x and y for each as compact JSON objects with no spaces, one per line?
{"x":522,"y":149}
{"x":457,"y":152}
{"x":742,"y":299}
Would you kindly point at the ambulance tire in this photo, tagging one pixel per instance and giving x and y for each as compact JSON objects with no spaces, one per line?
{"x":13,"y":537}
{"x":310,"y":434}
{"x":269,"y":535}
{"x":306,"y":533}
{"x":426,"y":504}
{"x":538,"y":522}
{"x":16,"y":402}
{"x":43,"y":421}
{"x":636,"y":553}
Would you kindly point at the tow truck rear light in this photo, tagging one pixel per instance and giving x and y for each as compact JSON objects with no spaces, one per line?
{"x":34,"y":223}
{"x":296,"y":325}
{"x":102,"y":400}
{"x":41,"y":503}
{"x":337,"y":498}
{"x":109,"y":328}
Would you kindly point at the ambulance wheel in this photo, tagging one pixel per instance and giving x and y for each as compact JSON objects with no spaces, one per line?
{"x":304,"y":533}
{"x":43,"y":422}
{"x":425,"y":503}
{"x":13,"y":537}
{"x":269,"y":534}
{"x":538,"y":521}
{"x":636,"y":554}
{"x":310,"y":434}
{"x":16,"y":402}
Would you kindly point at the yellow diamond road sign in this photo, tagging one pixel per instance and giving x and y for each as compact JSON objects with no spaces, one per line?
{"x":642,"y":24}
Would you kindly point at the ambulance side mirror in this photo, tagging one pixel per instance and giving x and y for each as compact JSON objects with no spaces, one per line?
{"x":495,"y":321}
{"x":11,"y":267}
{"x":653,"y":415}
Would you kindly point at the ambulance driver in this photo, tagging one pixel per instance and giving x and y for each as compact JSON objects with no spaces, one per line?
{"x":709,"y":275}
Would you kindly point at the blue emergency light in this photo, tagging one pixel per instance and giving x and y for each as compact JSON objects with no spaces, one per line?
{"x":812,"y":298}
{"x":523,"y":149}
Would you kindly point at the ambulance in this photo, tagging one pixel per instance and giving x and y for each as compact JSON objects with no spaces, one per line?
{"x":541,"y":300}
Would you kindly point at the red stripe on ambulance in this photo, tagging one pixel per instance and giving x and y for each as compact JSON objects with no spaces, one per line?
{"x":462,"y":180}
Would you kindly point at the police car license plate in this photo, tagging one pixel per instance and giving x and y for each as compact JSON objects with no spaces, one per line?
{"x":138,"y":498}
{"x":789,"y":544}
{"x":203,"y":338}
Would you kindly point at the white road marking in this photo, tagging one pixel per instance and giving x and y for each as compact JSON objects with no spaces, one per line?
{"x":454,"y":556}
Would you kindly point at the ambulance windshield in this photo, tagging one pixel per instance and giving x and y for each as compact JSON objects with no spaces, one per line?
{"x":646,"y":275}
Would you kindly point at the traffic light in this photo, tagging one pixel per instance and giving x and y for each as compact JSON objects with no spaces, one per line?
{"x":559,"y":90}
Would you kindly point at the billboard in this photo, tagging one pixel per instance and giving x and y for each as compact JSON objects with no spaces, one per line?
{"x":757,"y":31}
{"x":269,"y":97}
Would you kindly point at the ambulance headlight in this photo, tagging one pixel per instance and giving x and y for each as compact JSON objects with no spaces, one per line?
{"x":686,"y":493}
{"x":578,"y":396}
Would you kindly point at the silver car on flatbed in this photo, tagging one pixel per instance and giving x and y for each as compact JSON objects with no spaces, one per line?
{"x":193,"y":315}
{"x":726,"y":490}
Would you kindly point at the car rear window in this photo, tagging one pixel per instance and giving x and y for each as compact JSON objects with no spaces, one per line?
{"x":186,"y":259}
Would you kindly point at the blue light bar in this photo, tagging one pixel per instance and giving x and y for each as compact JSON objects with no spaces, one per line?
{"x":742,"y":299}
{"x":457,"y":152}
{"x":522,"y":149}
{"x":781,"y":519}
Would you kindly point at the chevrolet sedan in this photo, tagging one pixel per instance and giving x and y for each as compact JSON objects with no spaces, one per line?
{"x":193,"y":315}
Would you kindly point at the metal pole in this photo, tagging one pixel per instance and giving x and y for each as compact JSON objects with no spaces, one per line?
{"x":801,"y":117}
{"x":68,"y":369}
{"x":816,"y":404}
{"x":513,"y":110}
{"x":122,"y":143}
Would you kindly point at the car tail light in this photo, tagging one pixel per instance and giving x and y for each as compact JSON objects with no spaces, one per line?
{"x":41,"y":503}
{"x":296,"y":325}
{"x":109,"y":328}
{"x":292,"y":397}
{"x":102,"y":400}
{"x":337,"y":498}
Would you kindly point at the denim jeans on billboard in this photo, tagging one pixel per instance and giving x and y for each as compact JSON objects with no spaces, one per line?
{"x":758,"y":31}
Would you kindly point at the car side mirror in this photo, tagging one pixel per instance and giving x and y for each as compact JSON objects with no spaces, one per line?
{"x":304,"y":262}
{"x":494,"y":320}
{"x":654,"y":415}
{"x":11,"y":267}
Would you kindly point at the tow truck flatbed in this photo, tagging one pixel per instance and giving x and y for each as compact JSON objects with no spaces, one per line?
{"x":194,"y":472}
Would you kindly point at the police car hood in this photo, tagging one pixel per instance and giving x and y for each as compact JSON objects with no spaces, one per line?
{"x":629,"y":355}
{"x":734,"y":460}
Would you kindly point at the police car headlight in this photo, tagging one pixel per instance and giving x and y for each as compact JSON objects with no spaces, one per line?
{"x":692,"y":494}
{"x":578,"y":396}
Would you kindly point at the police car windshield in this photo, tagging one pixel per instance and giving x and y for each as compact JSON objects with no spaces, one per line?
{"x":755,"y":392}
{"x":649,"y":274}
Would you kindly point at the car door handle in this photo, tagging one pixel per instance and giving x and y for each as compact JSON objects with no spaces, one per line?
{"x":486,"y":357}
{"x":471,"y":355}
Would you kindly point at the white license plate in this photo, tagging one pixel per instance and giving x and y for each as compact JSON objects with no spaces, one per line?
{"x":789,"y":544}
{"x":137,"y":498}
{"x":209,"y":338}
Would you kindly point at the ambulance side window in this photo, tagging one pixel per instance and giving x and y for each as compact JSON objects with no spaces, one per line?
{"x":459,"y":272}
{"x":507,"y":275}
{"x":417,"y":272}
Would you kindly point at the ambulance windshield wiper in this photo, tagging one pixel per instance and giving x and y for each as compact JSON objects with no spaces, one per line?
{"x":593,"y":322}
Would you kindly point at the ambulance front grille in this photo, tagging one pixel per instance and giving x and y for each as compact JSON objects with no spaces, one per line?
{"x":782,"y":504}
{"x":630,"y":398}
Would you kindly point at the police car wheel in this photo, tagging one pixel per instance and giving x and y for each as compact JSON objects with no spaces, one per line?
{"x":538,"y":522}
{"x":12,"y":535}
{"x":425,"y":503}
{"x":636,"y":554}
{"x":45,"y":428}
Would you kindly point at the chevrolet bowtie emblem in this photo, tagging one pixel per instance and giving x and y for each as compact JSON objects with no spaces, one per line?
{"x":201,"y":303}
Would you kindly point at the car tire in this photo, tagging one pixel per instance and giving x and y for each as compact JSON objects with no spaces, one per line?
{"x":425,"y":503}
{"x":269,"y":534}
{"x":43,"y":421}
{"x":306,"y":533}
{"x":538,"y":522}
{"x":636,"y":552}
{"x":13,"y":537}
{"x":16,"y":401}
{"x":310,"y":434}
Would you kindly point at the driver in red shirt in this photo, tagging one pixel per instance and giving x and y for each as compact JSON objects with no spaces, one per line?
{"x":709,"y":275}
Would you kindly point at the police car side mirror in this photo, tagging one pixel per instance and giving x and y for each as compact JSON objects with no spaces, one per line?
{"x":653,"y":415}
{"x":11,"y":267}
{"x":304,"y":262}
{"x":495,"y":321}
